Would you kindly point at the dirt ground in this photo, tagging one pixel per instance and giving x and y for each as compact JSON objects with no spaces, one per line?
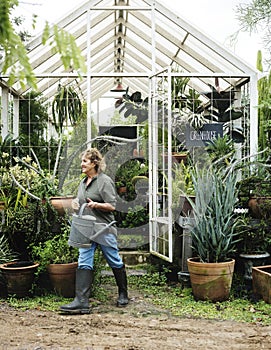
{"x":139,"y":326}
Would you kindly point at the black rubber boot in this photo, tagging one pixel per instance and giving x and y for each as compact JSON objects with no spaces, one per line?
{"x":80,"y":304}
{"x":121,"y":279}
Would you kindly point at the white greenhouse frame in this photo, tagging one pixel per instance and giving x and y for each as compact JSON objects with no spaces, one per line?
{"x":130,"y":42}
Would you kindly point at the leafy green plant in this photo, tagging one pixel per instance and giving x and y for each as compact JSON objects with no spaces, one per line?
{"x":55,"y":250}
{"x":6,"y":254}
{"x":66,"y":107}
{"x":66,"y":111}
{"x":182,"y":183}
{"x":25,"y":226}
{"x":27,"y":217}
{"x":264,"y":111}
{"x":135,"y":217}
{"x":126,"y":174}
{"x":15,"y":57}
{"x":254,"y":235}
{"x":255,"y":184}
{"x":221,"y":149}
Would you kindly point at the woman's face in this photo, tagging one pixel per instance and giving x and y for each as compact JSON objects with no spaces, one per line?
{"x":86,"y":166}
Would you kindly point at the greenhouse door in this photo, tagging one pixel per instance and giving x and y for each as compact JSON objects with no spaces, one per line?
{"x":160,"y":165}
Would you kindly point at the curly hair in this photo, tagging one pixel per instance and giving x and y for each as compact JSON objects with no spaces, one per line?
{"x":95,"y":157}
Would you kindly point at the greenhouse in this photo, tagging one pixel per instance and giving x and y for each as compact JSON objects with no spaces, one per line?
{"x":161,"y":100}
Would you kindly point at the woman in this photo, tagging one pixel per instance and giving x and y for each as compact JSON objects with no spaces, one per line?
{"x":98,"y":190}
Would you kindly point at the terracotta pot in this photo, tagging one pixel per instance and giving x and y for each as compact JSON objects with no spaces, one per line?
{"x":255,"y":204}
{"x":261,"y":282}
{"x":19,"y":276}
{"x":210,"y":281}
{"x":122,"y":190}
{"x":62,"y":204}
{"x":177,"y":157}
{"x":186,"y":208}
{"x":62,"y":277}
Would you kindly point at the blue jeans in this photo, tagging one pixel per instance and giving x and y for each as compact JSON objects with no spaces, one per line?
{"x":111,"y":254}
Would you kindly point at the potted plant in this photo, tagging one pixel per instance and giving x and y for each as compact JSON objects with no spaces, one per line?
{"x":16,"y":277}
{"x":59,"y":260}
{"x":24,"y":218}
{"x":19,"y":276}
{"x":254,"y":242}
{"x":255,"y":191}
{"x":6,"y":255}
{"x":213,"y":234}
{"x":26,"y":181}
{"x":126,"y":175}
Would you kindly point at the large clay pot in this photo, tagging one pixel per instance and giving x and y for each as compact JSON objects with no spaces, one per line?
{"x":62,"y":204}
{"x":62,"y":277}
{"x":19,"y":277}
{"x":210,"y":281}
{"x":261,"y":281}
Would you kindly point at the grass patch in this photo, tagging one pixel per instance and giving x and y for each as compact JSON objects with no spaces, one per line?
{"x":49,"y":301}
{"x":241,"y":306}
{"x":180,"y":302}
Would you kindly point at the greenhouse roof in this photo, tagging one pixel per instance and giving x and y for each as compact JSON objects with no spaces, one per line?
{"x":126,"y":41}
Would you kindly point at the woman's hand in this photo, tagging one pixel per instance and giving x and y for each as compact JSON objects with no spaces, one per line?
{"x":100,"y":206}
{"x":91,"y":204}
{"x":75,"y":204}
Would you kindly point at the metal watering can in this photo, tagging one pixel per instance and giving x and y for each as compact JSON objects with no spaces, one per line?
{"x":85,"y":229}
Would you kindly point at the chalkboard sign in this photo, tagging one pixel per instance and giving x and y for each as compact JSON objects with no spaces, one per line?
{"x":125,"y":131}
{"x":201,"y":137}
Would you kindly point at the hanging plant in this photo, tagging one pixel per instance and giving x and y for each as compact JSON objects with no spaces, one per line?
{"x":66,"y":108}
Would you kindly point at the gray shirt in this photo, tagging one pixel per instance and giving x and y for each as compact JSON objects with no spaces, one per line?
{"x":102,"y":190}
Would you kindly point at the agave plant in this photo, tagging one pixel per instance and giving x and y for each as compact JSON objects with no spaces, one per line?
{"x":213,"y":234}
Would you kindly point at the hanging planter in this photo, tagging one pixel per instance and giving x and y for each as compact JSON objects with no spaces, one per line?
{"x":66,"y":111}
{"x":66,"y":108}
